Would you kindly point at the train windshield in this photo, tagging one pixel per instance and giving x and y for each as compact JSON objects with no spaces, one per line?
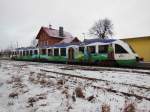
{"x":119,"y":49}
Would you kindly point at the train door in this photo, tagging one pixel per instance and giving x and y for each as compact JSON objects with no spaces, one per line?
{"x":70,"y":54}
{"x":43,"y":51}
{"x":110,"y":52}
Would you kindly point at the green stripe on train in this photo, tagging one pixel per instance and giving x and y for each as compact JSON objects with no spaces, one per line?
{"x":43,"y":57}
{"x":50,"y":58}
{"x":57,"y":58}
{"x":131,"y":62}
{"x":99,"y":57}
{"x":92,"y":58}
{"x":29,"y":58}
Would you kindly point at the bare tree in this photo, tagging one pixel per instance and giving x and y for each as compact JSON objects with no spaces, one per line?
{"x":103,"y":28}
{"x":33,"y":42}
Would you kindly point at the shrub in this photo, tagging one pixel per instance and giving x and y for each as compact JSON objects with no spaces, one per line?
{"x":90,"y":98}
{"x":105,"y":108}
{"x":13,"y":95}
{"x":31,"y":100}
{"x":129,"y":108}
{"x":60,"y":82}
{"x":79,"y":92}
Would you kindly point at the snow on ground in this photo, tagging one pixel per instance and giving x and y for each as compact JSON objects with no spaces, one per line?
{"x":24,"y":87}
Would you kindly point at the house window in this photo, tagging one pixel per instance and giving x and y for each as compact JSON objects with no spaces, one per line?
{"x":50,"y":52}
{"x":63,"y":51}
{"x":46,"y":43}
{"x":40,"y":43}
{"x":56,"y":52}
{"x":119,"y":49}
{"x":102,"y":48}
{"x":81,"y":49}
{"x":91,"y":49}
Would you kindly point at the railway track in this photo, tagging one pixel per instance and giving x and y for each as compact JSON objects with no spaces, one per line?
{"x":94,"y":79}
{"x":104,"y":88}
{"x":93,"y":68}
{"x":141,"y":68}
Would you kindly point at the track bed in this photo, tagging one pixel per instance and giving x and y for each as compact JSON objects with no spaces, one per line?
{"x":115,"y":88}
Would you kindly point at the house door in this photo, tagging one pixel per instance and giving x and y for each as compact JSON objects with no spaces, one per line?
{"x":71,"y":54}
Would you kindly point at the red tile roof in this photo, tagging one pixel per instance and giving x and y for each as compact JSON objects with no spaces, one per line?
{"x":67,"y":40}
{"x":55,"y":33}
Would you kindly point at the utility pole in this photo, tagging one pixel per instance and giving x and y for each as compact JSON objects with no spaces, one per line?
{"x":83,"y":36}
{"x":17,"y":44}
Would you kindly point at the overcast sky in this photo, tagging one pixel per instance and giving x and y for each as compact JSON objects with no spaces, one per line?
{"x":20,"y":20}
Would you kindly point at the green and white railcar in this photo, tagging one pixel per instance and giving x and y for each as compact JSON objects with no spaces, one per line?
{"x":93,"y":51}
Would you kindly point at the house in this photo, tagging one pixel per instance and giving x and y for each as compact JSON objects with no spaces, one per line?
{"x":141,"y":46}
{"x":50,"y":36}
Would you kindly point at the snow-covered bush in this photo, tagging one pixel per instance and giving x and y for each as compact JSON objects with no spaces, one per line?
{"x":13,"y":95}
{"x":129,"y":108}
{"x":105,"y":108}
{"x":79,"y":92}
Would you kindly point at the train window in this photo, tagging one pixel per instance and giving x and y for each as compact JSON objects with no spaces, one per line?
{"x":31,"y":52}
{"x":35,"y":51}
{"x":20,"y":53}
{"x":56,"y":52}
{"x":50,"y":52}
{"x":23,"y":53}
{"x":43,"y":51}
{"x":102,"y":48}
{"x":91,"y":49}
{"x":81,"y":49}
{"x":27,"y":53}
{"x":119,"y":49}
{"x":63,"y":51}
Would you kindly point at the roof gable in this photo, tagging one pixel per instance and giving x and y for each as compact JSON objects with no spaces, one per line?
{"x":69,"y":40}
{"x":54,"y":33}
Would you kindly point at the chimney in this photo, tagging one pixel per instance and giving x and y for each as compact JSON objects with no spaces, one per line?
{"x":61,"y":32}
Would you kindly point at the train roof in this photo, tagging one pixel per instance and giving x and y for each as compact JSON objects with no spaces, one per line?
{"x":89,"y":41}
{"x":85,"y":42}
{"x":64,"y":45}
{"x":25,"y":48}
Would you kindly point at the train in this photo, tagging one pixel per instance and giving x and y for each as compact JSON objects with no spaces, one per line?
{"x":102,"y":52}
